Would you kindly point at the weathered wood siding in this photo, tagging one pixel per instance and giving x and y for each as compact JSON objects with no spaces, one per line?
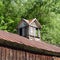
{"x":55,"y":58}
{"x":12,"y":54}
{"x":34,"y":24}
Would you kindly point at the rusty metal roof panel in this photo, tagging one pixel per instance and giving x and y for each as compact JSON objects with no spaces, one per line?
{"x":22,"y":40}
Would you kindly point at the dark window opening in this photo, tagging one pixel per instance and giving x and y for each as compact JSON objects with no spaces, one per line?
{"x":21,"y":31}
{"x":25,"y":31}
{"x":36,"y":32}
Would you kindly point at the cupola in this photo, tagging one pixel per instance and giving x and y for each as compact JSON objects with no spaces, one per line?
{"x":29,"y":29}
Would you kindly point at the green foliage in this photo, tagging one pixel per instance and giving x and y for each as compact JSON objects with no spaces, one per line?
{"x":46,"y":11}
{"x":11,"y":12}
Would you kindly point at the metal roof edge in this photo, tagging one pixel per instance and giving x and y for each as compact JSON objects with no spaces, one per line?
{"x":21,"y":46}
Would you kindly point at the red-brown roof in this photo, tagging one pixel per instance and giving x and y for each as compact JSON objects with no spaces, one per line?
{"x":22,"y":40}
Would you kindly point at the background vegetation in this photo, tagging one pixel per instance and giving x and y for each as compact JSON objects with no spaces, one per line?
{"x":46,"y":11}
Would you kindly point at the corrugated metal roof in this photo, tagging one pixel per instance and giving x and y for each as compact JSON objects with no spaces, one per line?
{"x":22,"y":40}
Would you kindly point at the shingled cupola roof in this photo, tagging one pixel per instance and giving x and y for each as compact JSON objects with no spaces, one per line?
{"x":29,"y":22}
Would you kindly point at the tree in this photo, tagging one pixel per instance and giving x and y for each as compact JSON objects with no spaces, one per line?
{"x":11,"y":12}
{"x":47,"y":13}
